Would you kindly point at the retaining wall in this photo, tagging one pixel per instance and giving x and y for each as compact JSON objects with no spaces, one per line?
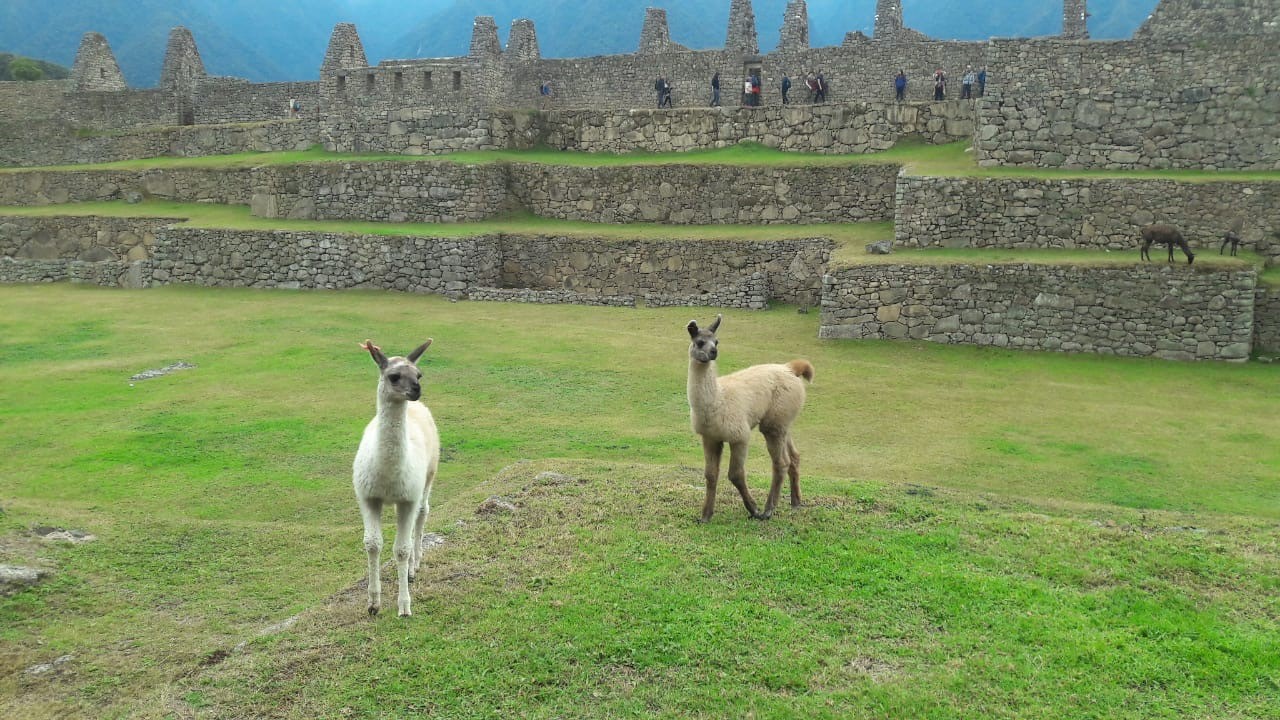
{"x":90,"y":239}
{"x":855,"y":127}
{"x":1173,"y":313}
{"x":1133,"y":104}
{"x":60,"y":144}
{"x":1099,"y":214}
{"x":1266,"y":320}
{"x":700,"y":195}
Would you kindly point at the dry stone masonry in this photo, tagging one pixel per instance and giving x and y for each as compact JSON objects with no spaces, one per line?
{"x":1174,"y":313}
{"x":1195,"y":88}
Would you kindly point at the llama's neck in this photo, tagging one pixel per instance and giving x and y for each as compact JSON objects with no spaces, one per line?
{"x":392,"y":424}
{"x":704,"y":387}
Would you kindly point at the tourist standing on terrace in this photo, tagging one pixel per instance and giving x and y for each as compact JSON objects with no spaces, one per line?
{"x":822,"y":87}
{"x":982,"y":81}
{"x":939,"y":85}
{"x":715,"y":89}
{"x":786,"y":86}
{"x":966,"y":84}
{"x":900,"y":85}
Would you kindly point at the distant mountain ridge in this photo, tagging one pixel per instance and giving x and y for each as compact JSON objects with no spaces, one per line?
{"x":286,"y":41}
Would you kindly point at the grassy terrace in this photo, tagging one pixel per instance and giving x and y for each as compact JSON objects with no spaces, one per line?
{"x":918,"y":159}
{"x":850,"y":238}
{"x":237,"y":217}
{"x":986,"y":533}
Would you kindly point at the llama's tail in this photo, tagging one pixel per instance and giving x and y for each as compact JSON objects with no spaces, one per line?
{"x":802,"y":368}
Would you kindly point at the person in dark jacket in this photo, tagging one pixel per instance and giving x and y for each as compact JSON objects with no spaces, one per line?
{"x":939,"y":85}
{"x":982,"y":81}
{"x":715,"y":89}
{"x":786,"y":87}
{"x":900,"y":85}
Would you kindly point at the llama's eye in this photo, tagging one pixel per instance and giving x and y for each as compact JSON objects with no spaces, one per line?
{"x":394,"y":377}
{"x":701,"y":343}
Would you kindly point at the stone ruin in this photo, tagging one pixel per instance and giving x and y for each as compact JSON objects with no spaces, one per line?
{"x":1157,"y":101}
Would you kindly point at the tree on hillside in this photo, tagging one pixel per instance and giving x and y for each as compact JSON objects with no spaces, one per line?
{"x":25,"y":69}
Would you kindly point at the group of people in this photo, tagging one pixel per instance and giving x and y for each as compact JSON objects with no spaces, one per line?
{"x":751,"y":89}
{"x":967,"y":81}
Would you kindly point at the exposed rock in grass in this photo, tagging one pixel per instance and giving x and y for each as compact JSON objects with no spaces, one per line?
{"x":16,"y":577}
{"x":57,"y":534}
{"x":53,"y":666}
{"x":553,"y":478}
{"x":884,"y":247}
{"x":495,"y":505}
{"x":160,"y":372}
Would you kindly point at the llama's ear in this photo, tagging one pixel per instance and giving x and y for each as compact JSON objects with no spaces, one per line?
{"x":375,"y":352}
{"x":413,"y":356}
{"x":715,"y":325}
{"x":692,"y":328}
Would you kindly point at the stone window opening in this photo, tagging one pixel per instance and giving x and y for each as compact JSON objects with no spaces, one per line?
{"x":398,"y":81}
{"x":370,"y":82}
{"x":426,"y":80}
{"x":457,"y":79}
{"x":342,"y":83}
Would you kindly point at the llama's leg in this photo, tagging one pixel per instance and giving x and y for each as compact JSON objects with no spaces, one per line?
{"x":1145,"y":253}
{"x":419,"y":522}
{"x":793,"y":469}
{"x":712,"y":450}
{"x":777,"y":445}
{"x":406,"y":516}
{"x":1186,"y":250}
{"x":371,"y":512}
{"x":738,"y":475}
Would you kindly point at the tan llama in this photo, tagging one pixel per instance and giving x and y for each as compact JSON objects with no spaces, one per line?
{"x":726,"y":409}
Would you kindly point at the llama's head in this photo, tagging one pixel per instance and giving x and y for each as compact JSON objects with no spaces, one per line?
{"x":704,"y":341}
{"x":401,"y":379}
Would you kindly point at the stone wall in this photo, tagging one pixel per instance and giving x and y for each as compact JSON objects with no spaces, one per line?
{"x":684,"y":272}
{"x":417,"y":131}
{"x":89,"y":239}
{"x":829,"y":129}
{"x":387,"y":191}
{"x":60,"y":144}
{"x":1099,"y":214}
{"x":451,"y":192}
{"x":1185,"y":19}
{"x":281,"y":259}
{"x":228,"y":186}
{"x":700,"y":194}
{"x":835,"y":128}
{"x":108,"y":273}
{"x":1173,"y":313}
{"x":536,"y":268}
{"x":1133,"y":104}
{"x":1266,"y":320}
{"x":234,"y":100}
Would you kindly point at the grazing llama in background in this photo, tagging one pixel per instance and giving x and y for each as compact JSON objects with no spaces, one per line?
{"x":396,"y":463}
{"x":1165,"y":235}
{"x":725,"y":410}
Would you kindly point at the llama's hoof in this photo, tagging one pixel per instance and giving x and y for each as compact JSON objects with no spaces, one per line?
{"x":373,"y":610}
{"x":763,"y":515}
{"x":405,"y":613}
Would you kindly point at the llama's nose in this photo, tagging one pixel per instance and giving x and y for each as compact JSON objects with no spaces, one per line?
{"x":415,"y":392}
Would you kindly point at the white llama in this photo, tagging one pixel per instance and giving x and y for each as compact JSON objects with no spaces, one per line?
{"x":725,"y":410}
{"x":396,"y":463}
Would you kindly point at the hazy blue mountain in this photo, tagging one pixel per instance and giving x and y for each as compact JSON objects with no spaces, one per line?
{"x":286,"y":40}
{"x":50,"y":70}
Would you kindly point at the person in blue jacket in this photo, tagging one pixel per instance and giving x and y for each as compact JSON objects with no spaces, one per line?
{"x":900,"y":85}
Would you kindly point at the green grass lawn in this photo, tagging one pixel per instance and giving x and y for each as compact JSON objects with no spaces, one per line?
{"x":954,"y":159}
{"x":986,"y":533}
